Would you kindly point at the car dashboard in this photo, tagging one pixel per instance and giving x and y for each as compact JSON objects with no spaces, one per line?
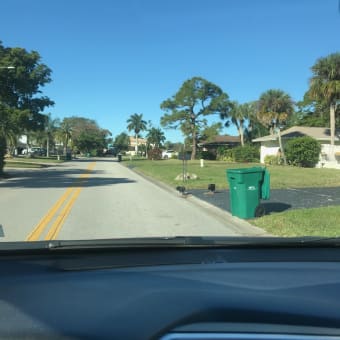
{"x":171,"y":293}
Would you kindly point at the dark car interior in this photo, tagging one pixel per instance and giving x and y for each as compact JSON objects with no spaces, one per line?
{"x":177,"y":290}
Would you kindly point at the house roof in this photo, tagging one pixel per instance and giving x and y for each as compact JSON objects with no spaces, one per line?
{"x":265,"y":138}
{"x":318,"y":133}
{"x":222,"y":140}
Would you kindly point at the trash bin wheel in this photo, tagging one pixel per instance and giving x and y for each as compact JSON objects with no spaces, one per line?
{"x":260,"y":211}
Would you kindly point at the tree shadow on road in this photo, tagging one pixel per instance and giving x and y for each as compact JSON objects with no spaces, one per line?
{"x":60,"y":178}
{"x":94,"y":159}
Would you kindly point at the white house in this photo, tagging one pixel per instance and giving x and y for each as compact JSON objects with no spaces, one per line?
{"x":329,"y":156}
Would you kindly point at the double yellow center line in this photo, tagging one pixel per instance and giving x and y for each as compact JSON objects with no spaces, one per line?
{"x":71,"y":194}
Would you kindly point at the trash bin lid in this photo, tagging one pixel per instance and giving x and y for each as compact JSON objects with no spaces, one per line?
{"x":246,"y":170}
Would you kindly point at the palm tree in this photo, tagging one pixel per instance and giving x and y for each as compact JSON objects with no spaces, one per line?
{"x":65,"y":133}
{"x":325,"y":85}
{"x":51,"y":127}
{"x":155,"y":137}
{"x":274,"y":108}
{"x":239,"y":115}
{"x":136,"y":124}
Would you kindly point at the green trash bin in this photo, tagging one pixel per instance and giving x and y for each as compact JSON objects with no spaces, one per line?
{"x":119,"y":158}
{"x":265,"y":187}
{"x":247,"y":187}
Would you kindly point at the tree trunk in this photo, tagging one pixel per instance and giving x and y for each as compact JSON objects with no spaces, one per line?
{"x":48,"y":146}
{"x":281,"y":148}
{"x":193,"y":154}
{"x":136,"y":146}
{"x":241,"y":133}
{"x":3,"y":145}
{"x":332,"y":122}
{"x":11,"y":146}
{"x":27,"y":144}
{"x":65,"y":147}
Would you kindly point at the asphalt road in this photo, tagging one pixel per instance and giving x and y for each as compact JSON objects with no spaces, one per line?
{"x":100,"y":198}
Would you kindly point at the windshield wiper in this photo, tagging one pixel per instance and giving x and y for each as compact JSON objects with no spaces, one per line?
{"x":173,"y":242}
{"x":184,"y":241}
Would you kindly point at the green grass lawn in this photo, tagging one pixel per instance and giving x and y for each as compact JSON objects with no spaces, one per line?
{"x":27,"y":160}
{"x":323,"y":221}
{"x":34,"y":160}
{"x":215,"y":172}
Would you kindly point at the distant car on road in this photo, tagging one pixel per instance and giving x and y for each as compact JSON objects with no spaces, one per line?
{"x":111,"y":152}
{"x":168,"y":154}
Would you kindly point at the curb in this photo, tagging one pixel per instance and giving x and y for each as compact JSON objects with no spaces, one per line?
{"x":239,"y":225}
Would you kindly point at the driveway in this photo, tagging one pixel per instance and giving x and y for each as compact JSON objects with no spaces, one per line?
{"x":280,"y":199}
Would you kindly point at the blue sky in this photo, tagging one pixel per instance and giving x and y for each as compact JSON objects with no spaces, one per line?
{"x":114,"y":58}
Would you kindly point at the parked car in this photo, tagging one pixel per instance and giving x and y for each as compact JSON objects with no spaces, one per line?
{"x":36,"y":151}
{"x":169,"y":153}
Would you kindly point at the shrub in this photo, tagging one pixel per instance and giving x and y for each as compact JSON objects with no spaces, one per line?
{"x":246,"y":153}
{"x":155,"y":154}
{"x":208,"y":155}
{"x":272,"y":160}
{"x":303,"y":151}
{"x":225,"y":154}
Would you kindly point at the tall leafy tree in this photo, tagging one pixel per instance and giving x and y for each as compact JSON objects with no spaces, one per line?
{"x":325,"y":86}
{"x":122,"y":142}
{"x":209,"y":132}
{"x":274,"y":109}
{"x":136,"y":124}
{"x":155,"y":137}
{"x":91,"y":141}
{"x":86,"y":135}
{"x":206,"y":133}
{"x":173,"y":146}
{"x":20,"y":93}
{"x":310,"y":113}
{"x":37,"y":137}
{"x":254,"y":129}
{"x":65,"y":133}
{"x":196,"y":99}
{"x":8,"y":130}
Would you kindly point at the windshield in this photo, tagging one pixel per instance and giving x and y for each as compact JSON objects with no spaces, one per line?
{"x":139,"y":119}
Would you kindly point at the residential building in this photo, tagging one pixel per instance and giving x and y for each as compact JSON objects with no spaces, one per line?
{"x":329,"y":156}
{"x":219,"y":141}
{"x":133,"y":145}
